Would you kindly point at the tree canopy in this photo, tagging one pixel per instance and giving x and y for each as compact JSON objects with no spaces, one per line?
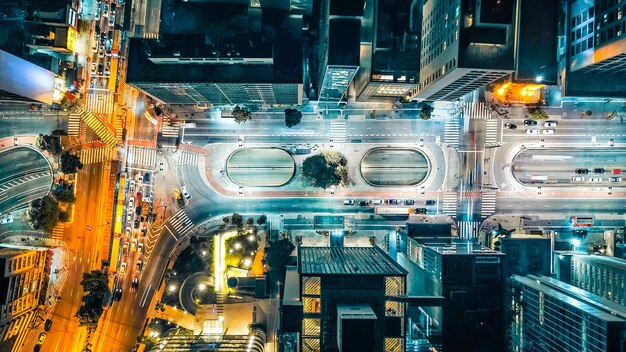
{"x":325,"y":169}
{"x":261,"y":220}
{"x":241,"y":115}
{"x":43,"y":213}
{"x":49,"y":143}
{"x":95,"y":282}
{"x":426,"y":112}
{"x":278,"y":254}
{"x":64,"y":195}
{"x":70,"y":163}
{"x":537,"y":113}
{"x":237,"y":220}
{"x":292,"y":117}
{"x":88,"y":316}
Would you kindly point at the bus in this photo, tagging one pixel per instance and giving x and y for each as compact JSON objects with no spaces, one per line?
{"x":119,"y":204}
{"x":391,"y":211}
{"x":115,"y":253}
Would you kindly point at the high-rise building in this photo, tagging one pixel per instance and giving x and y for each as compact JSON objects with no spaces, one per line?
{"x":601,"y":275}
{"x":593,"y":48}
{"x":21,"y":284}
{"x":550,"y":315}
{"x":337,"y":293}
{"x":469,"y":279}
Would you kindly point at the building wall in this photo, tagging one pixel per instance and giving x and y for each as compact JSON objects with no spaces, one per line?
{"x":600,"y":277}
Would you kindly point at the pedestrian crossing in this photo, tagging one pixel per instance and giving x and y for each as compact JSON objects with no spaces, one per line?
{"x":73,"y":125}
{"x":449,"y":206}
{"x":141,"y":156}
{"x":488,"y":203}
{"x":491,"y":132}
{"x":187,"y":158}
{"x":476,"y":111}
{"x":338,"y":131}
{"x":451,"y":132}
{"x":180,"y":224}
{"x":57,"y":231}
{"x":101,"y":129}
{"x":94,"y":155}
{"x":169,"y":128}
{"x":468,"y":229}
{"x":101,"y":102}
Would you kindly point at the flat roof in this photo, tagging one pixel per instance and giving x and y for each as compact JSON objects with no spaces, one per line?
{"x":291,"y":294}
{"x":347,"y":261}
{"x":32,"y":82}
{"x":617,"y":263}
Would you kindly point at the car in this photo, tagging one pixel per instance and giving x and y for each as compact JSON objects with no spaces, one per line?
{"x":161,"y":166}
{"x":103,"y":38}
{"x":125,"y":248}
{"x":595,"y":179}
{"x":186,"y":194}
{"x":616,"y":171}
{"x":510,"y":126}
{"x":105,"y":10}
{"x":138,"y":210}
{"x":135,"y":282}
{"x":137,"y":223}
{"x":129,"y":232}
{"x":615,"y":179}
{"x":139,"y":265}
{"x":113,"y":7}
{"x":550,"y":124}
{"x":131,"y":202}
{"x":140,"y":248}
{"x":129,"y":218}
{"x":42,"y":338}
{"x":94,"y":68}
{"x":598,"y":170}
{"x":112,"y":19}
{"x":144,"y":231}
{"x":101,"y":55}
{"x":133,"y":244}
{"x":94,"y":48}
{"x":364,"y":203}
{"x":118,"y":294}
{"x":530,"y":123}
{"x":377,"y":201}
{"x":409,"y":202}
{"x":100,"y":69}
{"x":47,"y":325}
{"x":6,"y":219}
{"x":97,"y":16}
{"x":582,"y":171}
{"x":578,"y":178}
{"x":547,"y":131}
{"x":131,"y":186}
{"x":431,"y":202}
{"x":123,"y":267}
{"x":107,"y":72}
{"x":348,"y":202}
{"x":529,"y":131}
{"x":98,"y":31}
{"x":393,"y":201}
{"x":420,"y":211}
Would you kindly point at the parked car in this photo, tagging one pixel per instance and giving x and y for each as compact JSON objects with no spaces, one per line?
{"x":548,"y":131}
{"x":98,"y":28}
{"x":101,"y":55}
{"x":529,"y":131}
{"x":510,"y":126}
{"x":105,"y":10}
{"x":47,"y":325}
{"x":578,"y":178}
{"x":42,"y":338}
{"x":616,"y":171}
{"x":139,"y":265}
{"x":550,"y":124}
{"x":420,"y":211}
{"x":377,"y":202}
{"x":140,"y":248}
{"x":595,"y":179}
{"x":615,"y":179}
{"x":348,"y":202}
{"x":123,"y":268}
{"x":409,"y":202}
{"x":393,"y":201}
{"x":582,"y":171}
{"x":364,"y":203}
{"x":129,"y":232}
{"x":530,"y":123}
{"x":112,"y":19}
{"x":97,"y":16}
{"x":431,"y":202}
{"x":6,"y":219}
{"x":598,"y":170}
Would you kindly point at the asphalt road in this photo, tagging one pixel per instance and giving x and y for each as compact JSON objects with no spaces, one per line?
{"x":25,"y":175}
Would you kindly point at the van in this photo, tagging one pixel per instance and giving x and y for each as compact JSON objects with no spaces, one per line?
{"x":348,"y":202}
{"x":377,"y":201}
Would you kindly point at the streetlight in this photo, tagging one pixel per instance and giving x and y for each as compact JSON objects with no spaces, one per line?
{"x":201,"y":287}
{"x":172,"y":288}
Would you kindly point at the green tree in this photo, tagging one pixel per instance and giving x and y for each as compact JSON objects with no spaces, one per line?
{"x":537,"y":113}
{"x":237,"y":220}
{"x":88,"y":316}
{"x":261,"y":220}
{"x":325,"y":169}
{"x":95,"y":282}
{"x":49,"y":143}
{"x":64,"y":216}
{"x":241,"y":115}
{"x":292,"y":117}
{"x":278,"y":254}
{"x":43,"y":213}
{"x":426,"y":112}
{"x":64,"y":195}
{"x":70,"y":163}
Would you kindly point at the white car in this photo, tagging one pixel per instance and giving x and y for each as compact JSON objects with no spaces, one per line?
{"x":95,"y":48}
{"x":550,"y":124}
{"x":101,"y":53}
{"x":595,"y":179}
{"x":112,"y":19}
{"x":186,"y":194}
{"x":6,"y":219}
{"x":140,"y":248}
{"x":377,"y":201}
{"x":548,"y":131}
{"x":530,"y":131}
{"x":578,"y":179}
{"x":131,"y":186}
{"x":615,"y":179}
{"x":131,"y":203}
{"x":105,"y":11}
{"x":123,"y":268}
{"x":98,"y":13}
{"x":129,"y":231}
{"x":94,"y":68}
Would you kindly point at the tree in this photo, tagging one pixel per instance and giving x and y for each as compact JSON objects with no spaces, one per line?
{"x":95,"y":282}
{"x":241,"y":115}
{"x":325,"y":169}
{"x":237,"y":220}
{"x":43,"y":213}
{"x":250,"y":221}
{"x":427,"y":111}
{"x":64,"y":216}
{"x":88,"y":316}
{"x":537,"y":113}
{"x":292,"y":117}
{"x":50,"y":144}
{"x":278,"y":254}
{"x":70,"y":163}
{"x":261,"y":220}
{"x":64,"y":195}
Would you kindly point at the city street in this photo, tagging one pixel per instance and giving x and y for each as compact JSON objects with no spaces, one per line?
{"x":26,"y":176}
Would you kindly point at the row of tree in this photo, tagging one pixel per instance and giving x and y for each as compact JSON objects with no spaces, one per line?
{"x":242,"y":115}
{"x":96,"y":286}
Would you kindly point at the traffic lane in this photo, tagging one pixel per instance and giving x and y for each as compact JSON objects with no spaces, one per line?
{"x":558,"y":205}
{"x":387,"y":139}
{"x":32,"y":123}
{"x":17,"y":160}
{"x":20,"y":197}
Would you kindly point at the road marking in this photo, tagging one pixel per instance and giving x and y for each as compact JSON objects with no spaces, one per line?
{"x":171,"y":232}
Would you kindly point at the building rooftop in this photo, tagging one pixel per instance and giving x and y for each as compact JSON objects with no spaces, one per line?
{"x":458,"y":247}
{"x":617,"y":263}
{"x":347,"y":261}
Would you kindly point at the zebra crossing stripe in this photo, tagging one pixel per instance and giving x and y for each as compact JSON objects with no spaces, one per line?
{"x":57,"y":232}
{"x":338,"y":131}
{"x":187,"y":158}
{"x":476,"y":111}
{"x":142,"y":156}
{"x":451,"y":132}
{"x":449,"y":206}
{"x":468,"y":229}
{"x":488,"y":204}
{"x":100,"y":102}
{"x":491,"y":133}
{"x":73,"y":125}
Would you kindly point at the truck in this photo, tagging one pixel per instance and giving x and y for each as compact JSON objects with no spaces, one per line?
{"x":393,"y":211}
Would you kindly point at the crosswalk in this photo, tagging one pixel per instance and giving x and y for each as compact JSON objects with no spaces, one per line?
{"x":449,"y":206}
{"x":141,"y":156}
{"x":338,"y":131}
{"x":468,"y":229}
{"x":451,"y":132}
{"x":180,"y":225}
{"x":101,"y":102}
{"x":73,"y":125}
{"x":7,"y":183}
{"x":94,"y":155}
{"x":187,"y":158}
{"x":491,"y":132}
{"x":57,"y":231}
{"x":488,"y":203}
{"x":476,"y":111}
{"x":169,"y":128}
{"x":106,"y":134}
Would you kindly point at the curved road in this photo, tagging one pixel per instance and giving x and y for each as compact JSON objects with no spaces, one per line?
{"x":25,"y":175}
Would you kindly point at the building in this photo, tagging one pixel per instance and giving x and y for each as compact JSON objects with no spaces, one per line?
{"x":550,"y":315}
{"x":38,"y":88}
{"x":337,"y":293}
{"x":526,"y":255}
{"x":22,"y":282}
{"x":222,"y":54}
{"x":253,"y":342}
{"x":601,"y":275}
{"x":470,"y":280}
{"x":592,"y":48}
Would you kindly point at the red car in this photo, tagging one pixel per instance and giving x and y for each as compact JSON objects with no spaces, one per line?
{"x":616,"y":171}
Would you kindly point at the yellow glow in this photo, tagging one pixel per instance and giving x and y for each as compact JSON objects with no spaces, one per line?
{"x":501,"y":91}
{"x":72,"y":36}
